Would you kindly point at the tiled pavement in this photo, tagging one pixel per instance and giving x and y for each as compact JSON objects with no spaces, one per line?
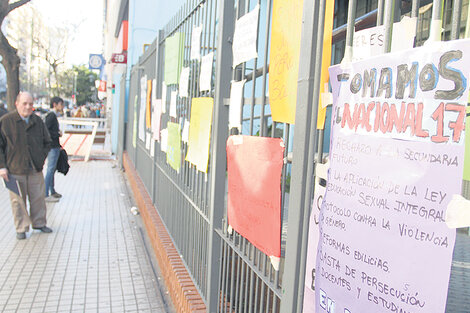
{"x":94,"y":261}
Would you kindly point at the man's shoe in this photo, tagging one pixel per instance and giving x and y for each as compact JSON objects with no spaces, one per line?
{"x":51,"y":199}
{"x":44,"y":229}
{"x":20,"y":236}
{"x":56,"y":195}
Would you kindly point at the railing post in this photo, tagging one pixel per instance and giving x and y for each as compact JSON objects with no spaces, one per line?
{"x":302,"y":164}
{"x":218,"y":157}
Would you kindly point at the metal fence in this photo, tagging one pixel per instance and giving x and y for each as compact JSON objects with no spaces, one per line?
{"x":230,"y":273}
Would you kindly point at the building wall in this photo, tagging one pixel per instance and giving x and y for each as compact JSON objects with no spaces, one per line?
{"x":34,"y":69}
{"x":146,"y":17}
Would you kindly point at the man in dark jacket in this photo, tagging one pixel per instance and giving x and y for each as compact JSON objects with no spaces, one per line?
{"x":24,"y":144}
{"x":52,"y":124}
{"x":3,"y":111}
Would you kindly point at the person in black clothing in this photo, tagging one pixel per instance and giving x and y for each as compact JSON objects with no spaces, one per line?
{"x":52,"y":124}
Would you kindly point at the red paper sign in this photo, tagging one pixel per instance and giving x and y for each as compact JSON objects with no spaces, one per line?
{"x":102,"y":86}
{"x":254,"y":166}
{"x":119,"y":58}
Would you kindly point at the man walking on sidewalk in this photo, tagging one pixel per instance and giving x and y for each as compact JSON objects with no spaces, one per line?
{"x":52,"y":124}
{"x":24,"y":144}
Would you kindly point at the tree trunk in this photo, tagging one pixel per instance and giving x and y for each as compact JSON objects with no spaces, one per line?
{"x":10,"y":60}
{"x":54,"y":68}
{"x":12,"y":64}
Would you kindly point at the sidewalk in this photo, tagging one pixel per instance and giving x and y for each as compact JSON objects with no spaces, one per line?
{"x":94,"y":261}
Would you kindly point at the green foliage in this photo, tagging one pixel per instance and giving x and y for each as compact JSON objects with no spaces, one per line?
{"x":65,"y":86}
{"x":85,"y":84}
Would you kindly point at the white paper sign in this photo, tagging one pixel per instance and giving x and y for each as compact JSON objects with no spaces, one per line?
{"x":184,"y":82}
{"x":185,"y":134}
{"x":152,"y":148}
{"x":156,"y":119}
{"x":196,"y":43}
{"x":154,"y":91}
{"x":143,"y":104}
{"x":404,"y":32}
{"x":368,"y":42}
{"x":148,"y":138}
{"x":163,"y":98}
{"x":245,"y":37}
{"x":164,"y":140}
{"x":205,"y":78}
{"x":235,"y":111}
{"x":174,"y":94}
{"x":395,"y":189}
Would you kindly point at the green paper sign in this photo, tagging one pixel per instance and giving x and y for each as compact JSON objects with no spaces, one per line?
{"x":173,"y":153}
{"x":174,"y":49}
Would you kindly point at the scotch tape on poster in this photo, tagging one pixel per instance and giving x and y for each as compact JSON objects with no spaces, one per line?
{"x":321,"y":170}
{"x":458,"y":212}
{"x":275,"y":261}
{"x":434,"y":32}
{"x":237,"y":140}
{"x":326,"y":99}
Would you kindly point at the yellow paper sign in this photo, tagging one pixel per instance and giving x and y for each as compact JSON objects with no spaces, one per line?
{"x":200,"y":132}
{"x":326,"y":61}
{"x":284,"y":59}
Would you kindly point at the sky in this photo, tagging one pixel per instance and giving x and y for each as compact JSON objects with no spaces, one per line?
{"x":88,"y":14}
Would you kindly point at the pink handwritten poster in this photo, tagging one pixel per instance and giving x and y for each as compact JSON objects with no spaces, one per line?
{"x":396,"y":160}
{"x":254,"y":166}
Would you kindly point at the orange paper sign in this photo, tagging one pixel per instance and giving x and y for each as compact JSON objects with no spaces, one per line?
{"x":284,"y":59}
{"x":254,"y":166}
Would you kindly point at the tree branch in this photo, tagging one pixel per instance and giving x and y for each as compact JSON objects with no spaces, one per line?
{"x":16,"y":4}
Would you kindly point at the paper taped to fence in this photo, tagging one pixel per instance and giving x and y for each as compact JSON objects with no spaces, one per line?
{"x":164,"y":140}
{"x":173,"y":152}
{"x":284,"y":59}
{"x":200,"y":132}
{"x":173,"y":98}
{"x":205,"y":79}
{"x":326,"y":62}
{"x":396,"y":160}
{"x":235,"y":110}
{"x":164,"y":92}
{"x":196,"y":43}
{"x":156,"y":119}
{"x":254,"y":167}
{"x":185,"y":133}
{"x":245,"y":37}
{"x":184,"y":82}
{"x":173,"y":58}
{"x":142,"y":107}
